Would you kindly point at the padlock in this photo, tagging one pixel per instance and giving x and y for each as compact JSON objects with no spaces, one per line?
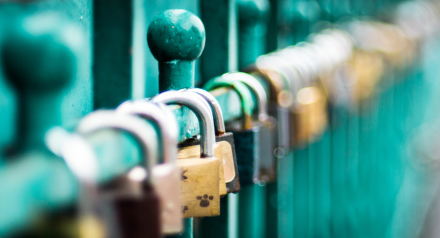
{"x":295,"y":81}
{"x":295,"y":59}
{"x":224,"y":147}
{"x":335,"y":77}
{"x":137,"y":213}
{"x":280,"y":77}
{"x":190,"y":149}
{"x":267,"y":124}
{"x":200,"y":176}
{"x":82,"y":161}
{"x":246,"y":135}
{"x":165,"y":176}
{"x":309,"y":114}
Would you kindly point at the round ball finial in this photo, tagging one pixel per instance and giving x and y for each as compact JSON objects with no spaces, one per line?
{"x":176,"y":35}
{"x":39,"y":54}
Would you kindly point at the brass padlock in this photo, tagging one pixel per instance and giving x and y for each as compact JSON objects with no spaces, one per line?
{"x":224,"y":147}
{"x":200,"y":176}
{"x":137,"y":213}
{"x":190,"y":149}
{"x":365,"y":79}
{"x":267,"y":125}
{"x":311,"y":117}
{"x":309,"y":114}
{"x":246,"y":134}
{"x":165,"y":176}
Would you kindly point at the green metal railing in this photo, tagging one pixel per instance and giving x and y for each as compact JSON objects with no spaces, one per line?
{"x":357,"y":179}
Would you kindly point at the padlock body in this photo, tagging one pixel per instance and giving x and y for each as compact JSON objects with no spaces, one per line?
{"x":233,"y":181}
{"x":200,"y":187}
{"x":309,"y":117}
{"x":166,"y":180}
{"x":139,"y":216}
{"x":283,"y":128}
{"x":248,"y":154}
{"x":224,"y":149}
{"x":267,"y":171}
{"x":193,"y":152}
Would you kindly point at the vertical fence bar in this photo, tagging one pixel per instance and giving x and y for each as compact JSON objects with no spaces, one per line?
{"x":112,"y":45}
{"x":219,"y":57}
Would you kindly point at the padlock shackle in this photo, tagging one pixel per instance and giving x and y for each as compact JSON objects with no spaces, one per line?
{"x":298,"y":60}
{"x":203,"y":112}
{"x":142,"y":131}
{"x":216,"y":109}
{"x":242,"y":91}
{"x":256,"y":88}
{"x":292,"y":79}
{"x":267,"y":62}
{"x":76,"y":151}
{"x":168,"y":126}
{"x":335,"y":46}
{"x":82,"y":161}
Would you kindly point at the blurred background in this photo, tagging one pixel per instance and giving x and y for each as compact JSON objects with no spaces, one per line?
{"x":367,"y":167}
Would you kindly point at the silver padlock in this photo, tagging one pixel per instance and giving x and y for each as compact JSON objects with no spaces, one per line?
{"x":137,"y":213}
{"x":82,"y":161}
{"x":166,"y":176}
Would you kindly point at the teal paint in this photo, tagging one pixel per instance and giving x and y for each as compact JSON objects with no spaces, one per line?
{"x":321,"y":199}
{"x":220,"y":226}
{"x":47,"y":46}
{"x":272,"y":27}
{"x":272,"y":209}
{"x":220,"y":56}
{"x":352,"y":170}
{"x":251,"y":215}
{"x":153,"y":8}
{"x":112,"y":58}
{"x":301,"y":190}
{"x":253,"y":17}
{"x":286,"y":196}
{"x":41,"y":86}
{"x":176,"y":39}
{"x":339,"y":148}
{"x":176,"y":47}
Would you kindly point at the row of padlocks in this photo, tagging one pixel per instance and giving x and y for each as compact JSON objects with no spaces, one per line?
{"x":310,"y":140}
